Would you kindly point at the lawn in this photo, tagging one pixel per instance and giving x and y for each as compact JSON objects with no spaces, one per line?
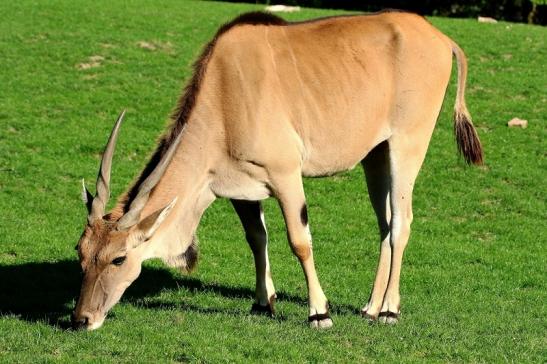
{"x":474,"y":273}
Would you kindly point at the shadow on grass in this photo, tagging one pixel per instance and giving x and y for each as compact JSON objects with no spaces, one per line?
{"x":47,"y":291}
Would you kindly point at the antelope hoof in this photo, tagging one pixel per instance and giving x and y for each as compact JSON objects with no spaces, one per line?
{"x":258,"y":309}
{"x":320,"y":321}
{"x":370,"y":318}
{"x":388,"y":317}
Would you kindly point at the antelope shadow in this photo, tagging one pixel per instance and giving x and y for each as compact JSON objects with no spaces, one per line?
{"x":47,"y":291}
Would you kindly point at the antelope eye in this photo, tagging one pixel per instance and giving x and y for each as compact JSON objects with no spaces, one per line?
{"x":118,"y":261}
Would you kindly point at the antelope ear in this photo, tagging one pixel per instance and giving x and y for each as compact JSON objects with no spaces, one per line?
{"x":87,"y":197}
{"x":151,"y":223}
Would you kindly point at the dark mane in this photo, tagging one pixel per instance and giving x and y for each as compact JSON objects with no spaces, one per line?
{"x":187,"y":101}
{"x":329,"y":17}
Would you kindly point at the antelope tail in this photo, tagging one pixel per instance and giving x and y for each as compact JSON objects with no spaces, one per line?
{"x":467,"y":139}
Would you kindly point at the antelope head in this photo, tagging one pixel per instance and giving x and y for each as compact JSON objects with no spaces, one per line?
{"x":111,"y":250}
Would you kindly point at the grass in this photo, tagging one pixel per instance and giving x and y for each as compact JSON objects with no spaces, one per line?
{"x":474,"y":276}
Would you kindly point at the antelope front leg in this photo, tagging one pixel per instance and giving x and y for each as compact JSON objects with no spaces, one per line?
{"x":252,"y":218}
{"x":290,"y":194}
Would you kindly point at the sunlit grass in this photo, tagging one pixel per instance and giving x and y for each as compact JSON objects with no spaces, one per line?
{"x":473,"y":280}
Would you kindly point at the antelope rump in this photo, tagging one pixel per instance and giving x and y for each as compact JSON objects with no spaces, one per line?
{"x":268,"y":103}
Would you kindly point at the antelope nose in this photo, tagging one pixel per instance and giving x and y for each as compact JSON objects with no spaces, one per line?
{"x":79,"y":322}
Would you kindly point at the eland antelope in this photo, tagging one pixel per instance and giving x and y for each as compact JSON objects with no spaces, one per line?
{"x":268,"y":103}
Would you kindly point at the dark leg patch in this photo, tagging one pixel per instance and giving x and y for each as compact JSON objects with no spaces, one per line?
{"x":389,"y":314}
{"x":304,"y":215}
{"x":318,"y":317}
{"x":368,"y":317}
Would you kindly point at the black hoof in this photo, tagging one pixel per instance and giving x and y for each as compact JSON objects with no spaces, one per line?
{"x":257,"y":309}
{"x":320,"y":321}
{"x":389,"y":317}
{"x":369,"y":318}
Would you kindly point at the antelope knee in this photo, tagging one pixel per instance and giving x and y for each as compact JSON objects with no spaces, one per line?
{"x":302,"y":249}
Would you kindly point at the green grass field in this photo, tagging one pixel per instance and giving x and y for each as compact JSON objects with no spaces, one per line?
{"x":474,"y":275}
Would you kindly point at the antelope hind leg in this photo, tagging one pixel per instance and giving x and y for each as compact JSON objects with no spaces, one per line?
{"x":377,"y":173}
{"x":406,"y":158}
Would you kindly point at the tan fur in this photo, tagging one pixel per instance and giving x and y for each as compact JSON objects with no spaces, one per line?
{"x":271,"y":102}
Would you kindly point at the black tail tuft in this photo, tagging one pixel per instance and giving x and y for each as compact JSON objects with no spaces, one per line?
{"x":467,"y":139}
